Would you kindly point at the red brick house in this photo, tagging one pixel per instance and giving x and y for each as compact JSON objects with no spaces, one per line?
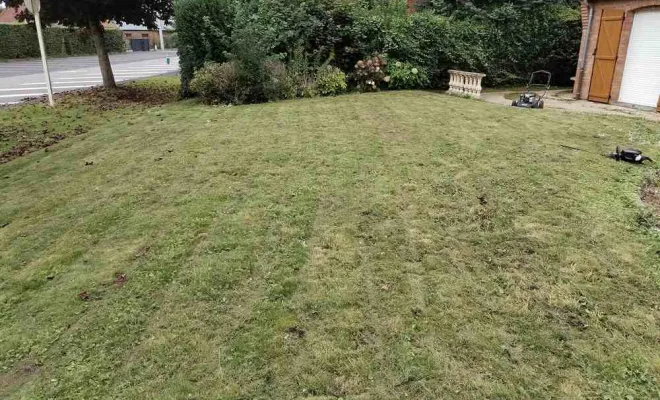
{"x":619,"y":59}
{"x":9,"y":15}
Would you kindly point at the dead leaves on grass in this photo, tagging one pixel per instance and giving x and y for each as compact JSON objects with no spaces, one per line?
{"x":94,"y":101}
{"x":650,"y":196}
{"x":119,"y":281}
{"x":28,"y":142}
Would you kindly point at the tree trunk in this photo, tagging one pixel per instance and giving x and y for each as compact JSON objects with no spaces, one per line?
{"x":104,"y":60}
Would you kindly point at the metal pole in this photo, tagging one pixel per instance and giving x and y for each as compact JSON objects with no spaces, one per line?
{"x":160,"y":33}
{"x":42,"y":48}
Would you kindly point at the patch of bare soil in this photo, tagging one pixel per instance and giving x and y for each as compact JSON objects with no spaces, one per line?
{"x":29,"y":143}
{"x":650,"y":193}
{"x":21,"y":373}
{"x":101,"y":99}
{"x":94,"y":101}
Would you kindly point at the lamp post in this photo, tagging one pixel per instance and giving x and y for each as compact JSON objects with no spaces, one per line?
{"x":160,"y":33}
{"x":34,"y":6}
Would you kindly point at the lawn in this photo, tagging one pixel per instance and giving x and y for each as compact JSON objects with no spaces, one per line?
{"x":379,"y":246}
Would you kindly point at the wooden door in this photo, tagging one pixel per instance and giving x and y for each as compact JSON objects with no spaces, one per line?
{"x":605,"y":55}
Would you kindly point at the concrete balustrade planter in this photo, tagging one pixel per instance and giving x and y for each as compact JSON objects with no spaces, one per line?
{"x":464,"y":83}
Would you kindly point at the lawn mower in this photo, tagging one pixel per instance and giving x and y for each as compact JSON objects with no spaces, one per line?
{"x":533,"y":99}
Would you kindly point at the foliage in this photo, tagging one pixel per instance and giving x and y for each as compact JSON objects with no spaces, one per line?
{"x":82,"y":13}
{"x":280,"y":83}
{"x":505,"y":40}
{"x":515,"y":38}
{"x":219,"y":83}
{"x":204,"y":29}
{"x":404,"y":75}
{"x":302,"y":73}
{"x":370,"y":73}
{"x":20,"y":41}
{"x":171,"y":40}
{"x":232,"y":83}
{"x":330,"y":81}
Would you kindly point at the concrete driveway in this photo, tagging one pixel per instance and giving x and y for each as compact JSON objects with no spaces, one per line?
{"x":562,"y":100}
{"x":25,"y":79}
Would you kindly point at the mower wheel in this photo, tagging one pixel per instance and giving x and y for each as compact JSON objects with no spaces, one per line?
{"x":514,"y":104}
{"x":541,"y":104}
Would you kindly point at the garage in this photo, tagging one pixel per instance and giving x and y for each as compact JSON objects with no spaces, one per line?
{"x":619,"y":56}
{"x":641,"y":75}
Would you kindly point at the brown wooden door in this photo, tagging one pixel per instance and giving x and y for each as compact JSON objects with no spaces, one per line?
{"x":605,"y":55}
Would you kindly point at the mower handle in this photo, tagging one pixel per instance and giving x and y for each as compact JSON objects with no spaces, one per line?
{"x":540,"y":72}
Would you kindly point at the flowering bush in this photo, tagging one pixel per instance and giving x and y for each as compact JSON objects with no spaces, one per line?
{"x":405,"y":75}
{"x":370,"y":73}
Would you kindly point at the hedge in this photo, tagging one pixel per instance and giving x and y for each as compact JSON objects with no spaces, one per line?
{"x":20,"y":41}
{"x":203,"y":34}
{"x":506,"y":44}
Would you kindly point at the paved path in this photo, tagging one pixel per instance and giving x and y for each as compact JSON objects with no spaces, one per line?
{"x":22,"y":79}
{"x":561,"y":100}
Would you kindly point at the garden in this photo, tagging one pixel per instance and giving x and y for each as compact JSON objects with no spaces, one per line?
{"x":268,"y":50}
{"x":383,"y":245}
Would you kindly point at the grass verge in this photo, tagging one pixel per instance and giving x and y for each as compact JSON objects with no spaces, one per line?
{"x":29,"y":127}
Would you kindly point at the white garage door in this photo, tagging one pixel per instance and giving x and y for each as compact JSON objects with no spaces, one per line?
{"x":641,"y":76}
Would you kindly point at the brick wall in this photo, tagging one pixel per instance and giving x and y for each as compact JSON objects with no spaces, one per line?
{"x":629,"y":7}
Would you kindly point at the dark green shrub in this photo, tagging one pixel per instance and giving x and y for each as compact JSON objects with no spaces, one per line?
{"x":513,"y":38}
{"x":404,"y":75}
{"x":219,"y":83}
{"x":171,"y":40}
{"x":330,"y":81}
{"x":279,"y":83}
{"x":204,"y":30}
{"x":302,"y":73}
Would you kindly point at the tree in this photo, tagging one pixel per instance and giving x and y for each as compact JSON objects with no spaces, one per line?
{"x":90,"y":14}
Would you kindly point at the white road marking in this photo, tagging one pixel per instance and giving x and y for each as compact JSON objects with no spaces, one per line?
{"x":23,"y":95}
{"x":56,"y":83}
{"x":54,"y":87}
{"x":119,"y":71}
{"x":121,"y":75}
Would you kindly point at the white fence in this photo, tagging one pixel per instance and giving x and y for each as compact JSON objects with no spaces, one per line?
{"x":465,"y":83}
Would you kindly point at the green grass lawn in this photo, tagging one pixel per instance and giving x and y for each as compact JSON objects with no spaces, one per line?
{"x":380,"y":246}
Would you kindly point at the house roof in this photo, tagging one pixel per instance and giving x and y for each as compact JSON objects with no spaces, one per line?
{"x":8,"y":15}
{"x":131,"y":27}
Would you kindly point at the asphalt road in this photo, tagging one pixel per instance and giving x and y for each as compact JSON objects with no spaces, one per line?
{"x":25,"y":79}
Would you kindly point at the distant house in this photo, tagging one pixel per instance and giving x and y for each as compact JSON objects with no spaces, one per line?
{"x":8,"y":15}
{"x":140,"y":38}
{"x":620,"y":52}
